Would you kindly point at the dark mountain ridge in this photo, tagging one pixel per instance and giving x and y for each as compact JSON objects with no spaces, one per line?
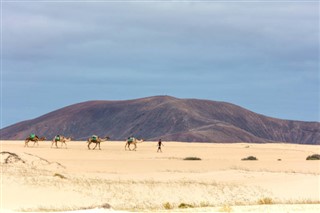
{"x":169,"y":118}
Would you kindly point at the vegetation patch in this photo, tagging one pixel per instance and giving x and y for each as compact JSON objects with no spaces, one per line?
{"x":265,"y":201}
{"x":250,"y":158}
{"x":167,"y":205}
{"x":192,"y":158}
{"x":313,"y":157}
{"x":185,"y":205}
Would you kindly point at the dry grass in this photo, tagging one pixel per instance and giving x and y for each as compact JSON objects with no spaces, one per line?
{"x":225,"y":208}
{"x":265,"y":201}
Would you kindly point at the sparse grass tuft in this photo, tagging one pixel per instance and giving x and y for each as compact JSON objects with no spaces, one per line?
{"x":60,"y":176}
{"x":225,"y":208}
{"x":185,"y":205}
{"x":192,"y":158}
{"x":313,"y":157}
{"x":167,"y":205}
{"x":250,"y":158}
{"x":265,"y":201}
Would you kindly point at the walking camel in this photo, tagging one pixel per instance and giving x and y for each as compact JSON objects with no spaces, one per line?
{"x":62,"y":139}
{"x":34,"y":139}
{"x":134,"y":142}
{"x":97,"y":140}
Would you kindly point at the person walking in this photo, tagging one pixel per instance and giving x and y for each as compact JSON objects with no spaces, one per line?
{"x":159,"y":145}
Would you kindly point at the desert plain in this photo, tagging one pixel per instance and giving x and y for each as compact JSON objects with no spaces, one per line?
{"x":44,"y":179}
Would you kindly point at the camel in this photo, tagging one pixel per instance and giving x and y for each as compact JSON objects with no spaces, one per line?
{"x":134,"y":142}
{"x":61,"y":139}
{"x":97,"y":140}
{"x":34,"y":139}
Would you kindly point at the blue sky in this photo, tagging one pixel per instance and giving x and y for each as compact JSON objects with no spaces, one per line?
{"x":261,"y":55}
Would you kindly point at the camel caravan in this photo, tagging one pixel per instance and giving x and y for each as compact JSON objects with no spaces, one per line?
{"x":94,"y":139}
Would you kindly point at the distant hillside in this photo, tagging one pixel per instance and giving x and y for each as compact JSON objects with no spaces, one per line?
{"x":166,"y":117}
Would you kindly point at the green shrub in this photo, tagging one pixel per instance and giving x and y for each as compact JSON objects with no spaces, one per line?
{"x":250,"y":158}
{"x":192,"y":158}
{"x":313,"y":157}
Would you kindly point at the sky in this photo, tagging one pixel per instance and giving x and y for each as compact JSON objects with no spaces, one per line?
{"x":260,"y":55}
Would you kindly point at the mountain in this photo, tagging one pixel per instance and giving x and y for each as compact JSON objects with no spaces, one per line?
{"x":168,"y":118}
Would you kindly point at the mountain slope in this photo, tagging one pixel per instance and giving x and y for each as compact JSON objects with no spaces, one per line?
{"x":168,"y":118}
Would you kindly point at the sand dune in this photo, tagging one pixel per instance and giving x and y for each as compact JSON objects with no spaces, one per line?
{"x":41,"y":178}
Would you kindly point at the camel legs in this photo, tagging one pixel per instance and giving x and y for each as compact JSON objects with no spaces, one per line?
{"x":128,"y":146}
{"x":97,"y":143}
{"x":63,"y":142}
{"x":135,"y":146}
{"x":26,"y":143}
{"x":54,"y":142}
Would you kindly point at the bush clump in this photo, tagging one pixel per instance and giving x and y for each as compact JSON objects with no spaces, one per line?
{"x":185,"y":205}
{"x":167,"y":205}
{"x":265,"y":201}
{"x":192,"y":158}
{"x":250,"y":158}
{"x":313,"y":157}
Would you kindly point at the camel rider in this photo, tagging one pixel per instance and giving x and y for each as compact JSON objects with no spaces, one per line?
{"x":57,"y":138}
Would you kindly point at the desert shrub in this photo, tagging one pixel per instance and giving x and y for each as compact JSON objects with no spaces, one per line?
{"x":59,"y":175}
{"x":192,"y":158}
{"x":167,"y":205}
{"x":250,"y":158}
{"x":313,"y":157}
{"x":185,"y":205}
{"x":265,"y":201}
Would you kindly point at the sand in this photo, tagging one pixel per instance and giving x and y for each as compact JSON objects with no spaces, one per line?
{"x":42,"y":178}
